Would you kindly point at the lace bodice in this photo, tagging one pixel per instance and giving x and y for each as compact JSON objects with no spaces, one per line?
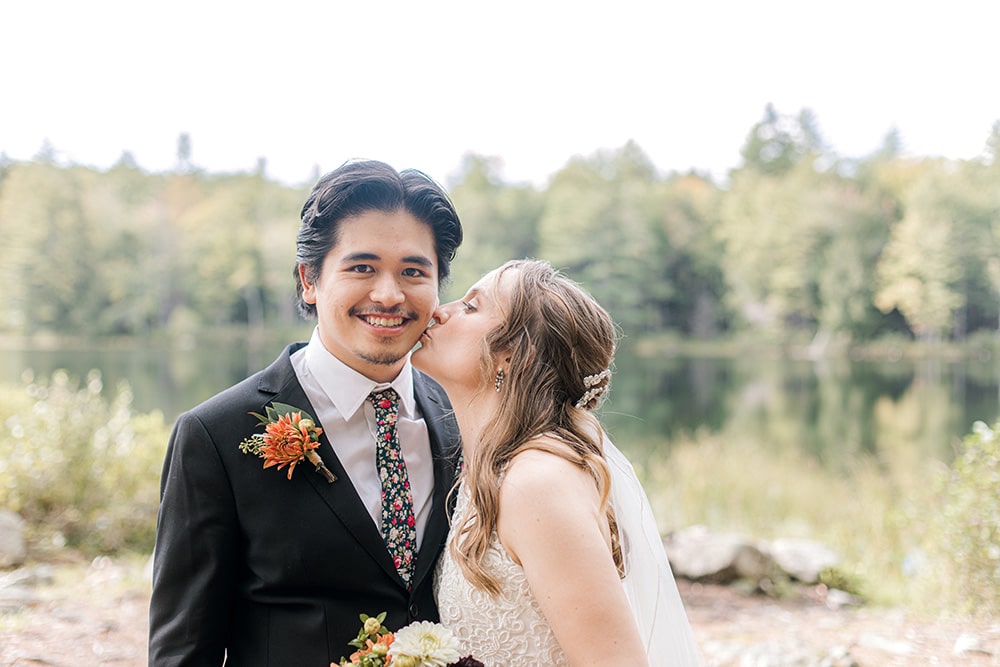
{"x":504,"y":631}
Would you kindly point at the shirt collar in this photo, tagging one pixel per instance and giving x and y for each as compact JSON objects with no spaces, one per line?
{"x":347,"y":388}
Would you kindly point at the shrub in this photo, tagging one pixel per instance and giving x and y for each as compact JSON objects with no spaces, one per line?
{"x":82,"y":469}
{"x":969,"y":555}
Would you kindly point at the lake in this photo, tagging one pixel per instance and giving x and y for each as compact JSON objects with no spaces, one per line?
{"x":833,"y":409}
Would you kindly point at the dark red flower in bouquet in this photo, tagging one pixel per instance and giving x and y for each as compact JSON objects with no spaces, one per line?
{"x":467,"y":661}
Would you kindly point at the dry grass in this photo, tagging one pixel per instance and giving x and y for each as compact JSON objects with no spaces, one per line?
{"x":872,"y":515}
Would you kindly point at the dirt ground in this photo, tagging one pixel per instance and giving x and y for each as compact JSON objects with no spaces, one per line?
{"x":78,"y":614}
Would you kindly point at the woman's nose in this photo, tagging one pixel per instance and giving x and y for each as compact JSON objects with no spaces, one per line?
{"x":443,"y":312}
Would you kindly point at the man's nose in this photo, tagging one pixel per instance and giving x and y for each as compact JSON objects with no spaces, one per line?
{"x":387,"y":290}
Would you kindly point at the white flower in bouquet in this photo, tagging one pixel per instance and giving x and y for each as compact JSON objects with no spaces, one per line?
{"x":424,"y":644}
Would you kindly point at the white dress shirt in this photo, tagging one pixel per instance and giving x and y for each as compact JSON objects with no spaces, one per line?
{"x":339,"y":395}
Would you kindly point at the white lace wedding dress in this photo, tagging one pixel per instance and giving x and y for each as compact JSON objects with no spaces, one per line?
{"x":504,"y":631}
{"x":510,"y":631}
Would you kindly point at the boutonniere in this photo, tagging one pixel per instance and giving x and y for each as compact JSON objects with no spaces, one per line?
{"x":290,"y":436}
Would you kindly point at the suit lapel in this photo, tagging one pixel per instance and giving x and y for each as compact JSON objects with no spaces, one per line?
{"x":280,"y":381}
{"x":444,"y":439}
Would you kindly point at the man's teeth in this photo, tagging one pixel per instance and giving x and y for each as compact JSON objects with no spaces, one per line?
{"x":384,"y":321}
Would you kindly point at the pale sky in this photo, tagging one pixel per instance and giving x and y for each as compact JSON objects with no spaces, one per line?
{"x":419,"y":84}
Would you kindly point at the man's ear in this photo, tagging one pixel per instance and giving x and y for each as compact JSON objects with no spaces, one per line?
{"x":308,"y":288}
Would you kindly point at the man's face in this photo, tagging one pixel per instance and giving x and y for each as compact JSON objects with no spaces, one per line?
{"x":376,"y":291}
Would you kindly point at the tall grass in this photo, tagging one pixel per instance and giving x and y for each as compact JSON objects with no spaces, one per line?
{"x":907,"y":532}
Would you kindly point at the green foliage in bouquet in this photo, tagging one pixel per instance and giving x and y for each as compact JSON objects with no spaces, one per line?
{"x":81,"y":468}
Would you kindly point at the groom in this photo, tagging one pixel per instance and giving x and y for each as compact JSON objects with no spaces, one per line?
{"x":268,"y":566}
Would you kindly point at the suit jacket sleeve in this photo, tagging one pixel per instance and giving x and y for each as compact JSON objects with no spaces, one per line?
{"x":195,"y":556}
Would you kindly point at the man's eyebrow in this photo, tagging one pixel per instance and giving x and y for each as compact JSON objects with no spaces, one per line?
{"x":360,"y":257}
{"x":419,"y":260}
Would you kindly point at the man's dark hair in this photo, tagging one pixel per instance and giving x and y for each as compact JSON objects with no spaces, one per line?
{"x":356,"y":187}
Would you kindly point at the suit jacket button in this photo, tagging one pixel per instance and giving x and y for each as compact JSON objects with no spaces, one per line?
{"x":413,"y":610}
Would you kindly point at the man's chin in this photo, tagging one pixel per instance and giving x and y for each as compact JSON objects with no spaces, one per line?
{"x":387,"y":352}
{"x":384,"y":358}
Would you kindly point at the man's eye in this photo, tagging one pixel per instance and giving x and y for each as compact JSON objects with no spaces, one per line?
{"x":362,"y":268}
{"x":413,"y":273}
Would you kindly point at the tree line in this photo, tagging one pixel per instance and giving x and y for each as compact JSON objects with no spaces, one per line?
{"x":797,"y":244}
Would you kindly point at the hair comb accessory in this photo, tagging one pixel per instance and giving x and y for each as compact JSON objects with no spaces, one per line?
{"x":596,"y":386}
{"x":591,"y":380}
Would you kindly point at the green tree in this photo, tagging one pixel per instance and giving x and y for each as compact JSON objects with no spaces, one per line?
{"x":991,"y":152}
{"x":180,"y":194}
{"x":237,"y":251}
{"x":800,"y":236}
{"x":856,"y":228}
{"x":222,"y":266}
{"x":778,"y":142}
{"x":987,"y":175}
{"x":184,"y":152}
{"x":770,"y":244}
{"x":688,"y":290}
{"x":51,"y":254}
{"x":129,"y":267}
{"x":499,"y":220}
{"x":934,"y":269}
{"x":800,"y":248}
{"x":598,"y":224}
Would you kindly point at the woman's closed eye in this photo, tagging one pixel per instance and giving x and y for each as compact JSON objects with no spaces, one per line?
{"x":469,"y":307}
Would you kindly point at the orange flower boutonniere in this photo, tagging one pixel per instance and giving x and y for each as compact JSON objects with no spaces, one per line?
{"x":290,"y":436}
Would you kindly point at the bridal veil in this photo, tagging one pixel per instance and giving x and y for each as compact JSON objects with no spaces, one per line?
{"x":649,"y":582}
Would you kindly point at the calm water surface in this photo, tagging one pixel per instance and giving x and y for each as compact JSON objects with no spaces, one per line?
{"x":832,"y":408}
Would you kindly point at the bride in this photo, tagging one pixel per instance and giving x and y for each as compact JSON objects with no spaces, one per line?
{"x":553,"y":557}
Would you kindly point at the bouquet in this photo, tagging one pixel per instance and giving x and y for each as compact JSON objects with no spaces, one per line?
{"x":419,"y":644}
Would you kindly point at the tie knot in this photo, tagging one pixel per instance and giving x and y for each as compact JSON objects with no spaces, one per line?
{"x":387,"y":399}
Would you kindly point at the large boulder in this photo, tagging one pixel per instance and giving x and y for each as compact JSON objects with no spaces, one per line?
{"x":802,"y":559}
{"x":13,"y":547}
{"x":698,"y":554}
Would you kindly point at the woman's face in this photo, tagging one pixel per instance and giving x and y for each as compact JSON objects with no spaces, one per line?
{"x":451,"y":350}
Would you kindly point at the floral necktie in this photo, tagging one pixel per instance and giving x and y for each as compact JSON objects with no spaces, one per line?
{"x":399,"y":528}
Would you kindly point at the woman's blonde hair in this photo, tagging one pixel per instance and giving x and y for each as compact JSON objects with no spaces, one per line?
{"x":557,"y":339}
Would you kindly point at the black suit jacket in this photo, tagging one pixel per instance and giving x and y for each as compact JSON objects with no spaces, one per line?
{"x":268,"y":571}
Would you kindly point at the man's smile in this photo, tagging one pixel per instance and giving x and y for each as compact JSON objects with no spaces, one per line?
{"x":384,"y":321}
